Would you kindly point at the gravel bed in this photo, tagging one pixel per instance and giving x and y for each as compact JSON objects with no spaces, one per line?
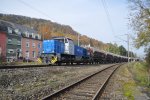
{"x":116,"y":85}
{"x":35,"y":83}
{"x":113,"y":91}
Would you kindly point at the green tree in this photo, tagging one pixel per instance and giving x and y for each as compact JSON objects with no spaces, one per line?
{"x":140,"y":22}
{"x":113,"y":48}
{"x":122,"y":50}
{"x":148,"y":56}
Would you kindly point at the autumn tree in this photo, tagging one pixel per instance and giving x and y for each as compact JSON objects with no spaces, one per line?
{"x":140,"y":22}
{"x":49,"y":29}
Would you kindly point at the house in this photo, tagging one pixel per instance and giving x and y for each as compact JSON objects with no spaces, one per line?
{"x":18,"y":41}
{"x":31,"y":43}
{"x":3,"y":39}
{"x":10,"y":41}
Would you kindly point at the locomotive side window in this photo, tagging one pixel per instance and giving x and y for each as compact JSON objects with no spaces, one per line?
{"x":66,"y":40}
{"x":61,"y":40}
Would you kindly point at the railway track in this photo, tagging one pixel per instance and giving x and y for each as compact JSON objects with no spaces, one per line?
{"x":29,"y":66}
{"x":89,"y":88}
{"x":21,"y":66}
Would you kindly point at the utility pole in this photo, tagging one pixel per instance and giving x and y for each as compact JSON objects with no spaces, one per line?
{"x":43,"y":35}
{"x":128,"y":47}
{"x":78,"y":39}
{"x":128,"y":43}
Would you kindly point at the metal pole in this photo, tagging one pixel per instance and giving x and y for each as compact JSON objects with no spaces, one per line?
{"x":128,"y":47}
{"x":43,"y":36}
{"x":78,"y":39}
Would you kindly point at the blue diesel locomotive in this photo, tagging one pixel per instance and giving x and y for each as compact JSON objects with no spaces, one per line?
{"x":62,"y":50}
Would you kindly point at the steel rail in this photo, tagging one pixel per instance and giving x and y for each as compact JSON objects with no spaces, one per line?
{"x":102,"y":88}
{"x":61,"y":91}
{"x":20,"y":66}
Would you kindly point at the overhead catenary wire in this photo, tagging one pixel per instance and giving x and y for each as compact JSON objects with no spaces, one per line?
{"x":109,"y":19}
{"x":35,"y":9}
{"x":111,"y":25}
{"x":108,"y":15}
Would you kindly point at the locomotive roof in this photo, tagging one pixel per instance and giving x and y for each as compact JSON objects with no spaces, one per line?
{"x":61,"y":37}
{"x":6,"y":23}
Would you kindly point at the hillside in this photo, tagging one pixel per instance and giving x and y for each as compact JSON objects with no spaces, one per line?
{"x":50,"y":29}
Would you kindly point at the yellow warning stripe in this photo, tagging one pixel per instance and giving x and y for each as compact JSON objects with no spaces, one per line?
{"x":53,"y":60}
{"x":39,"y":60}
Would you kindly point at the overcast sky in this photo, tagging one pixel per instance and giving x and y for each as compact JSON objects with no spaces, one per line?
{"x":87,"y":17}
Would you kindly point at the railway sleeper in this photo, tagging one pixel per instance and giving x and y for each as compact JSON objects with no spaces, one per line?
{"x":81,"y":94}
{"x":77,"y":96}
{"x":86,"y":92}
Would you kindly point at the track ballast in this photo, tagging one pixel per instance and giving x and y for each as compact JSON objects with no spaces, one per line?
{"x":89,"y":88}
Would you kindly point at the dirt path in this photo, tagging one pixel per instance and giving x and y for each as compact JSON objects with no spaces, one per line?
{"x":123,"y":87}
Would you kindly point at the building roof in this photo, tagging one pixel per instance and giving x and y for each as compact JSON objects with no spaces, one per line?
{"x":6,"y":23}
{"x":17,"y":26}
{"x":22,"y":30}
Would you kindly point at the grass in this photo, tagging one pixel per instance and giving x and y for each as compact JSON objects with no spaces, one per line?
{"x":129,"y":90}
{"x":140,"y":73}
{"x":128,"y":84}
{"x":135,"y":75}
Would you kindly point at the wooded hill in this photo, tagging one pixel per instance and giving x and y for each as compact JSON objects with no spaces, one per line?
{"x":49,"y":29}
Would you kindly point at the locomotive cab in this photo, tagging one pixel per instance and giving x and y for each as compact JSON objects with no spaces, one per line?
{"x":69,"y":45}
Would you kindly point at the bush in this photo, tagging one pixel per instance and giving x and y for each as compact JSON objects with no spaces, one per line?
{"x":140,"y":72}
{"x":148,"y":56}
